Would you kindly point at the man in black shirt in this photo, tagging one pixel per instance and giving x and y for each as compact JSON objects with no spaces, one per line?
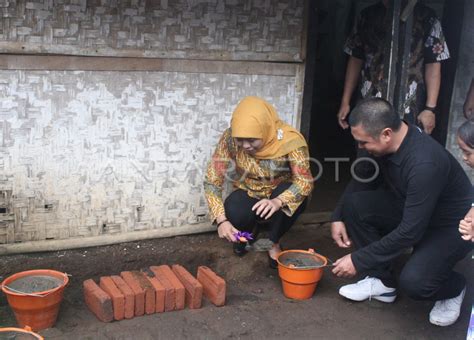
{"x":416,"y":196}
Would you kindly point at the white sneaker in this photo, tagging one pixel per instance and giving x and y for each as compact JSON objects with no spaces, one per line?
{"x":369,"y":288}
{"x":446,"y":312}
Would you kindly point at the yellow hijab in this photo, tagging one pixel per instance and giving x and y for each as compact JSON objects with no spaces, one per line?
{"x":255,"y":118}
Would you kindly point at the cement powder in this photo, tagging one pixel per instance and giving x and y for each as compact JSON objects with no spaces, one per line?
{"x":301,"y":260}
{"x":35,"y":283}
{"x":16,"y":336}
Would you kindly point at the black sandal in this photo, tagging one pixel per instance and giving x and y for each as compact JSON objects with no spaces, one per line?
{"x":272,"y":263}
{"x":239,"y":248}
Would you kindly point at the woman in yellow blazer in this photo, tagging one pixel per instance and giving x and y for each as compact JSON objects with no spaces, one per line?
{"x":272,"y":175}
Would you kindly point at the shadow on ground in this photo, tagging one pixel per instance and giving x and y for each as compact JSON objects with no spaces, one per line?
{"x":255,"y":308}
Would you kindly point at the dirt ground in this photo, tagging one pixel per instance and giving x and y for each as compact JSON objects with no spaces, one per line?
{"x":255,"y":307}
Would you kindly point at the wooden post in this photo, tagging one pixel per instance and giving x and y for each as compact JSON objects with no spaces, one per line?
{"x":405,"y":39}
{"x":391,"y":51}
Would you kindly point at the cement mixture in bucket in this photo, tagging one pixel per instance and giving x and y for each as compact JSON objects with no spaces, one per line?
{"x":301,"y":260}
{"x":35,"y":284}
{"x":14,"y":335}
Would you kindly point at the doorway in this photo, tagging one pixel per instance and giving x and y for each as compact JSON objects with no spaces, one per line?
{"x":329,"y":24}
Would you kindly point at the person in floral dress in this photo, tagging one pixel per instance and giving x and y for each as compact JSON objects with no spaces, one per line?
{"x":365,"y":47}
{"x":271,"y":175}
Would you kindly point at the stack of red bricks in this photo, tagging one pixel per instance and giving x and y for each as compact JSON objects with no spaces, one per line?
{"x":159,"y":289}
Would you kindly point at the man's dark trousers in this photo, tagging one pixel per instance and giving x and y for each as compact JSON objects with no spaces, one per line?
{"x":428,"y":274}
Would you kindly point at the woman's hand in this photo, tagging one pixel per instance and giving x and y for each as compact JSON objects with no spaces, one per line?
{"x":466,"y":226}
{"x":468,"y":107}
{"x":265,"y":208}
{"x":227,"y":230}
{"x":466,"y":229}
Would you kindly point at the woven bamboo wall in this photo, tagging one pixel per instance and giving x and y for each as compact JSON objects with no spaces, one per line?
{"x":88,"y":151}
{"x":189,"y":29}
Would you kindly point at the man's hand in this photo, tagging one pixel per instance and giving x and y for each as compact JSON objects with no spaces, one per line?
{"x":428,"y":119}
{"x":226,"y":230}
{"x":339,"y":234}
{"x":344,"y":267}
{"x":344,"y":110}
{"x":265,"y":208}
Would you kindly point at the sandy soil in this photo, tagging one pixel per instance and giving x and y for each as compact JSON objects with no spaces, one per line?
{"x":255,"y":307}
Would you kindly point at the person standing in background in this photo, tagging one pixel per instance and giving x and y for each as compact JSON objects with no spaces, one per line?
{"x":465,"y":139}
{"x":365,"y":47}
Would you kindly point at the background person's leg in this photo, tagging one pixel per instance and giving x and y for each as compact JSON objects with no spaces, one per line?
{"x":428,"y":274}
{"x":368,"y":216}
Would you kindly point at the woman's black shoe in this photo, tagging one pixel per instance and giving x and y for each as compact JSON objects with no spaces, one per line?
{"x":239,"y":248}
{"x":272,"y":263}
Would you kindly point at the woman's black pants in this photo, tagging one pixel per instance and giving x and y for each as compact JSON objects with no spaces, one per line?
{"x":238,"y":210}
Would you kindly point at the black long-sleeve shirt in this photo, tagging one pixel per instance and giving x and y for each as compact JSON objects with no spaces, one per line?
{"x":435,"y":189}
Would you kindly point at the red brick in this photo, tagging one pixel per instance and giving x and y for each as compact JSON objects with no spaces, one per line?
{"x":118,"y":300}
{"x":180,"y":291}
{"x":170,"y":301}
{"x":150,"y":294}
{"x":192,"y":286}
{"x":160,"y":294}
{"x":213,"y":285}
{"x":98,"y":301}
{"x":129,"y":308}
{"x":137,"y":290}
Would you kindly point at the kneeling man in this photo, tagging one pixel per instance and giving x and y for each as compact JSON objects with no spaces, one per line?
{"x":408,"y":192}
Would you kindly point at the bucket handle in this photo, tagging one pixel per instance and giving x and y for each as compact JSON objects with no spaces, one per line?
{"x":27,"y":294}
{"x":330,"y":264}
{"x":33,"y":294}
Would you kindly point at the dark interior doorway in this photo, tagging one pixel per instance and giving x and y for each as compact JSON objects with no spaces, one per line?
{"x":329,"y":24}
{"x":327,"y":141}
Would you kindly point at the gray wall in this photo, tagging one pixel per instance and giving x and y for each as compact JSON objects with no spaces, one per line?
{"x":464,"y":74}
{"x":93,"y":146}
